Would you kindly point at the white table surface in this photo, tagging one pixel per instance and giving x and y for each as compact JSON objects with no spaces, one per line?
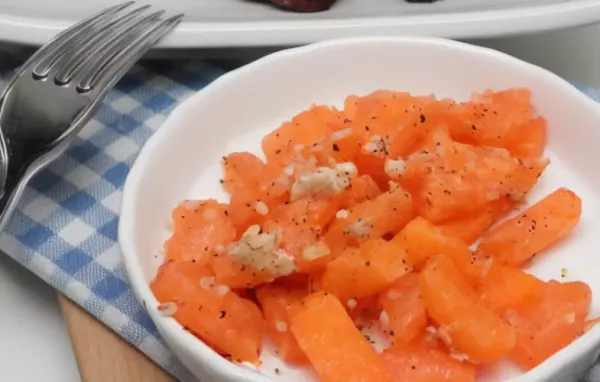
{"x":34,"y":345}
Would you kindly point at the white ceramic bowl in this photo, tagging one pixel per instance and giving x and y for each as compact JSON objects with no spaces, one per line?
{"x":182,"y":161}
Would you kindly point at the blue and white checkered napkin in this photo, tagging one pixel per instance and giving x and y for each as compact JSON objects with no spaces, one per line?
{"x":65,"y":229}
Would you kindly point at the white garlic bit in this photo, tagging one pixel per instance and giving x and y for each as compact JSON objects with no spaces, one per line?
{"x":358,"y":228}
{"x":289,"y":170}
{"x":394,"y":168}
{"x":259,"y":250}
{"x":281,"y":326}
{"x":207,"y":283}
{"x":222,"y":290}
{"x":325,"y":181}
{"x":313,"y":252}
{"x":342,"y":214}
{"x":376,"y":146}
{"x":384,"y":318}
{"x":341,"y":134}
{"x":209,"y":214}
{"x":460,"y":357}
{"x":167,"y":309}
{"x":261,"y":208}
{"x":351,"y":303}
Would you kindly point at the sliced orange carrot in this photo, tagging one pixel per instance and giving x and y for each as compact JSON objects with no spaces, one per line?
{"x":200,"y":227}
{"x":552,"y":324}
{"x":228,"y":323}
{"x":242,"y":171}
{"x":387,"y":213}
{"x":235,"y":275}
{"x":517,"y":240}
{"x":363,"y":272}
{"x":380,"y":112}
{"x":528,"y":140}
{"x":334,"y":346}
{"x":466,"y":326}
{"x":426,"y":365}
{"x":305,"y":129}
{"x":408,"y":139}
{"x":301,"y":224}
{"x":242,"y":210}
{"x":489,"y":118}
{"x":362,"y":188}
{"x":505,"y":287}
{"x":275,"y":301}
{"x":450,"y":179}
{"x":471,"y":227}
{"x":254,"y":186}
{"x":373,"y":165}
{"x":423,"y":240}
{"x":403,"y":316}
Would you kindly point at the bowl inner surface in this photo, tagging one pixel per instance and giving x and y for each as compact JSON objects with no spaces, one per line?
{"x":182,"y":160}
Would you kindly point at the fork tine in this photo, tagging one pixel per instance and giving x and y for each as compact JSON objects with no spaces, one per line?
{"x":96,"y":43}
{"x":50,"y":45}
{"x":49,"y":53}
{"x":121,"y":57}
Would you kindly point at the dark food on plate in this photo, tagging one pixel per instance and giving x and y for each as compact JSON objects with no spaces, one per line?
{"x":319,"y":5}
{"x":304,"y":5}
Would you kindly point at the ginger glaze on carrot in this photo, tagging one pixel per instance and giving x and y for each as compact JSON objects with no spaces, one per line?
{"x":364,"y":217}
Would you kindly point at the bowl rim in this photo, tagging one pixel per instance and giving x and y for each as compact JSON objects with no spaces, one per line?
{"x":126,"y":226}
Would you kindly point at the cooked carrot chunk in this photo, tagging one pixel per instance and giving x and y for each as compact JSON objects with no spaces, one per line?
{"x":371,"y":219}
{"x":528,"y":140}
{"x":423,"y":240}
{"x":505,"y":287}
{"x":426,"y":365}
{"x":470,"y":227}
{"x":200,"y":229}
{"x":466,"y":325}
{"x":305,"y":129}
{"x":334,"y":346}
{"x":276,"y":301}
{"x":360,"y":272}
{"x":403,"y":315}
{"x":552,"y":324}
{"x":230,"y":324}
{"x":517,"y":240}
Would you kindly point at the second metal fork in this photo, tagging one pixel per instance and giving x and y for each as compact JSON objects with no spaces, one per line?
{"x":55,"y":93}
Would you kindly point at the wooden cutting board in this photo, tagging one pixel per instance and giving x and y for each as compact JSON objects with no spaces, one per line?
{"x":103,"y":356}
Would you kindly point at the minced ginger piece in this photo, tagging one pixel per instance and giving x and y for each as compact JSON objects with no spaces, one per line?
{"x":324,"y":182}
{"x":259,"y":250}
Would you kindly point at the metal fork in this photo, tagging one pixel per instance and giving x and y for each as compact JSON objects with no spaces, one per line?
{"x":55,"y":93}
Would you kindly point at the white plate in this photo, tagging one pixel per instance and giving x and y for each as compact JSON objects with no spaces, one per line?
{"x":237,"y":110}
{"x":237,"y":23}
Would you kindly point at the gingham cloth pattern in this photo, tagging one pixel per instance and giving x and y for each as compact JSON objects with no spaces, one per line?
{"x":65,"y":229}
